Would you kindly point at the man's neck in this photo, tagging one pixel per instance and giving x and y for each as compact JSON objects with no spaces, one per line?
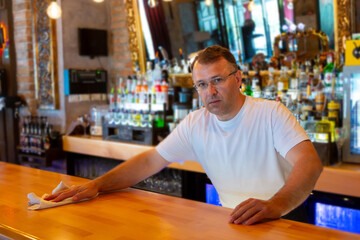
{"x":238,"y":104}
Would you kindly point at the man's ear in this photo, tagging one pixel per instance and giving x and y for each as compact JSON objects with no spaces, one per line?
{"x":238,"y":77}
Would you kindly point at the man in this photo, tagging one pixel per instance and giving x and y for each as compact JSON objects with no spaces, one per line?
{"x":254,"y":151}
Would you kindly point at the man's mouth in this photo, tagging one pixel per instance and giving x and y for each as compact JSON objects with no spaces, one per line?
{"x":214,"y":101}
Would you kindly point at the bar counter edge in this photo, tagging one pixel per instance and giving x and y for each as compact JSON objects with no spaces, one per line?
{"x":343,"y":178}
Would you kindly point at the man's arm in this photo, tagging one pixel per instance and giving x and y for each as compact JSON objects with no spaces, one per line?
{"x":125,"y":175}
{"x":300,"y":183}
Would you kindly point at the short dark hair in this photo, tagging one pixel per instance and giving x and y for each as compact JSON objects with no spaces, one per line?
{"x":213,"y":54}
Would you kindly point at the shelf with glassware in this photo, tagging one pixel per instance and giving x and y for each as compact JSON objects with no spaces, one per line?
{"x":39,"y":144}
{"x":144,"y":107}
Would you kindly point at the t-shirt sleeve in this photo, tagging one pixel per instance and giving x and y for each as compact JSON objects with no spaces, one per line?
{"x":177,"y":146}
{"x":287,"y":132}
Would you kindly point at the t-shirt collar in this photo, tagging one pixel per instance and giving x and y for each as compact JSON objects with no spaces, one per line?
{"x":235,"y":119}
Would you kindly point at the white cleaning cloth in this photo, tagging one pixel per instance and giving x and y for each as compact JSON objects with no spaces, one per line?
{"x":37,"y":203}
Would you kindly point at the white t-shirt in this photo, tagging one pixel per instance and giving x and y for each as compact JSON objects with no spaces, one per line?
{"x":243,"y":157}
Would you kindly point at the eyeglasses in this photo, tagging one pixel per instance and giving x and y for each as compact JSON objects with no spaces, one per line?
{"x":218,"y":81}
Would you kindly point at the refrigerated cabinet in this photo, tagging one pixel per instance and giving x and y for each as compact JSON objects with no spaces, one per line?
{"x":351,"y":148}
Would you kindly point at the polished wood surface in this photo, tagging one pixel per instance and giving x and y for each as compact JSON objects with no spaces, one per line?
{"x":343,"y":178}
{"x":128,"y":214}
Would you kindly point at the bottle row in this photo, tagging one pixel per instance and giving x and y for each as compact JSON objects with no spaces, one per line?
{"x":35,"y":136}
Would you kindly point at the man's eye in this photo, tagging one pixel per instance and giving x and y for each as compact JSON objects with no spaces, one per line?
{"x":217,"y":80}
{"x":201,"y":85}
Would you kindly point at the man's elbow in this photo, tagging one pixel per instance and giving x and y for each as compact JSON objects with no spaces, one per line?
{"x":318,"y":166}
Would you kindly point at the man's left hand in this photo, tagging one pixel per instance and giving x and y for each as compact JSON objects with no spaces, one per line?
{"x":254,"y":210}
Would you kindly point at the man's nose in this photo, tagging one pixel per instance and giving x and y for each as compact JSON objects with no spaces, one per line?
{"x":211,"y":89}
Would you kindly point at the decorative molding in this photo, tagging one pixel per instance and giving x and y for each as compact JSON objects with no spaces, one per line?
{"x":2,"y":4}
{"x":45,"y":58}
{"x":342,"y":24}
{"x":136,"y":40}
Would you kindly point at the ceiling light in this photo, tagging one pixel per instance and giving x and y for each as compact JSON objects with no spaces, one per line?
{"x":54,"y":10}
{"x":98,"y":1}
{"x":208,"y":2}
{"x":153,"y":3}
{"x":251,"y":5}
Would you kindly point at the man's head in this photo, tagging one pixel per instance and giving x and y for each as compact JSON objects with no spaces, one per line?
{"x":213,"y":54}
{"x":217,"y":80}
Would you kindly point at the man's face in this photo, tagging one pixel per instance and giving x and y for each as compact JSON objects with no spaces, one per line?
{"x":220,"y":100}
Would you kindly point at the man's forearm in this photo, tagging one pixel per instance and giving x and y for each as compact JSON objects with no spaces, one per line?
{"x":299,"y":185}
{"x":131,"y":172}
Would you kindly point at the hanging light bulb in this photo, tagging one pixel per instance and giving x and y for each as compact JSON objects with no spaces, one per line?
{"x":292,"y":27}
{"x":285,"y":28}
{"x":251,"y":5}
{"x":301,"y":26}
{"x":54,"y":10}
{"x":153,"y":3}
{"x":167,"y":0}
{"x":290,"y":6}
{"x":208,"y":2}
{"x":98,"y":1}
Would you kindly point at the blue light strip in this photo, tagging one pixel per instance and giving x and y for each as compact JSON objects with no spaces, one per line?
{"x":340,"y":218}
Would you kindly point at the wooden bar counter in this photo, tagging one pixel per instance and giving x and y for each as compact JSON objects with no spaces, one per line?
{"x":341,"y":179}
{"x":128,"y":214}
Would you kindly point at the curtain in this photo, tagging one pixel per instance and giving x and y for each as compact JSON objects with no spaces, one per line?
{"x":158,"y":28}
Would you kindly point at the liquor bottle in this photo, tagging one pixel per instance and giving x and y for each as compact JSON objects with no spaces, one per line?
{"x":255,"y":87}
{"x":303,"y":79}
{"x":112,"y":107}
{"x":293,"y":76}
{"x":23,"y":137}
{"x":328,"y":73}
{"x":157,"y":69}
{"x":184,"y":64}
{"x":283,"y":83}
{"x":308,"y":88}
{"x":158,"y":120}
{"x":176,"y":68}
{"x":333,"y":112}
{"x":310,"y":123}
{"x":165,"y":56}
{"x":339,"y":85}
{"x":165,"y":93}
{"x":129,"y":95}
{"x":148,"y":74}
{"x":134,"y":86}
{"x":39,"y":146}
{"x":258,"y":76}
{"x":157,"y":93}
{"x":309,"y":126}
{"x":46,"y":138}
{"x":137,"y":91}
{"x":248,"y":91}
{"x":144,"y":95}
{"x":270,"y":89}
{"x":325,"y":128}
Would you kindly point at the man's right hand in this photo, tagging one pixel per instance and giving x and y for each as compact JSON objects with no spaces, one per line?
{"x":78,"y":192}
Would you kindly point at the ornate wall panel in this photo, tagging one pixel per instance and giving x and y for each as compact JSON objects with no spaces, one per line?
{"x":136,"y":40}
{"x":342,"y":24}
{"x":45,"y":63}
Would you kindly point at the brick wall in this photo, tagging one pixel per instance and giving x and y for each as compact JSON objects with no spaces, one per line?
{"x":24,"y":51}
{"x":121,"y":64}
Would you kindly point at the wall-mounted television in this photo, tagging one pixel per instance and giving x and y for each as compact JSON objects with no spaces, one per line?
{"x":92,"y":42}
